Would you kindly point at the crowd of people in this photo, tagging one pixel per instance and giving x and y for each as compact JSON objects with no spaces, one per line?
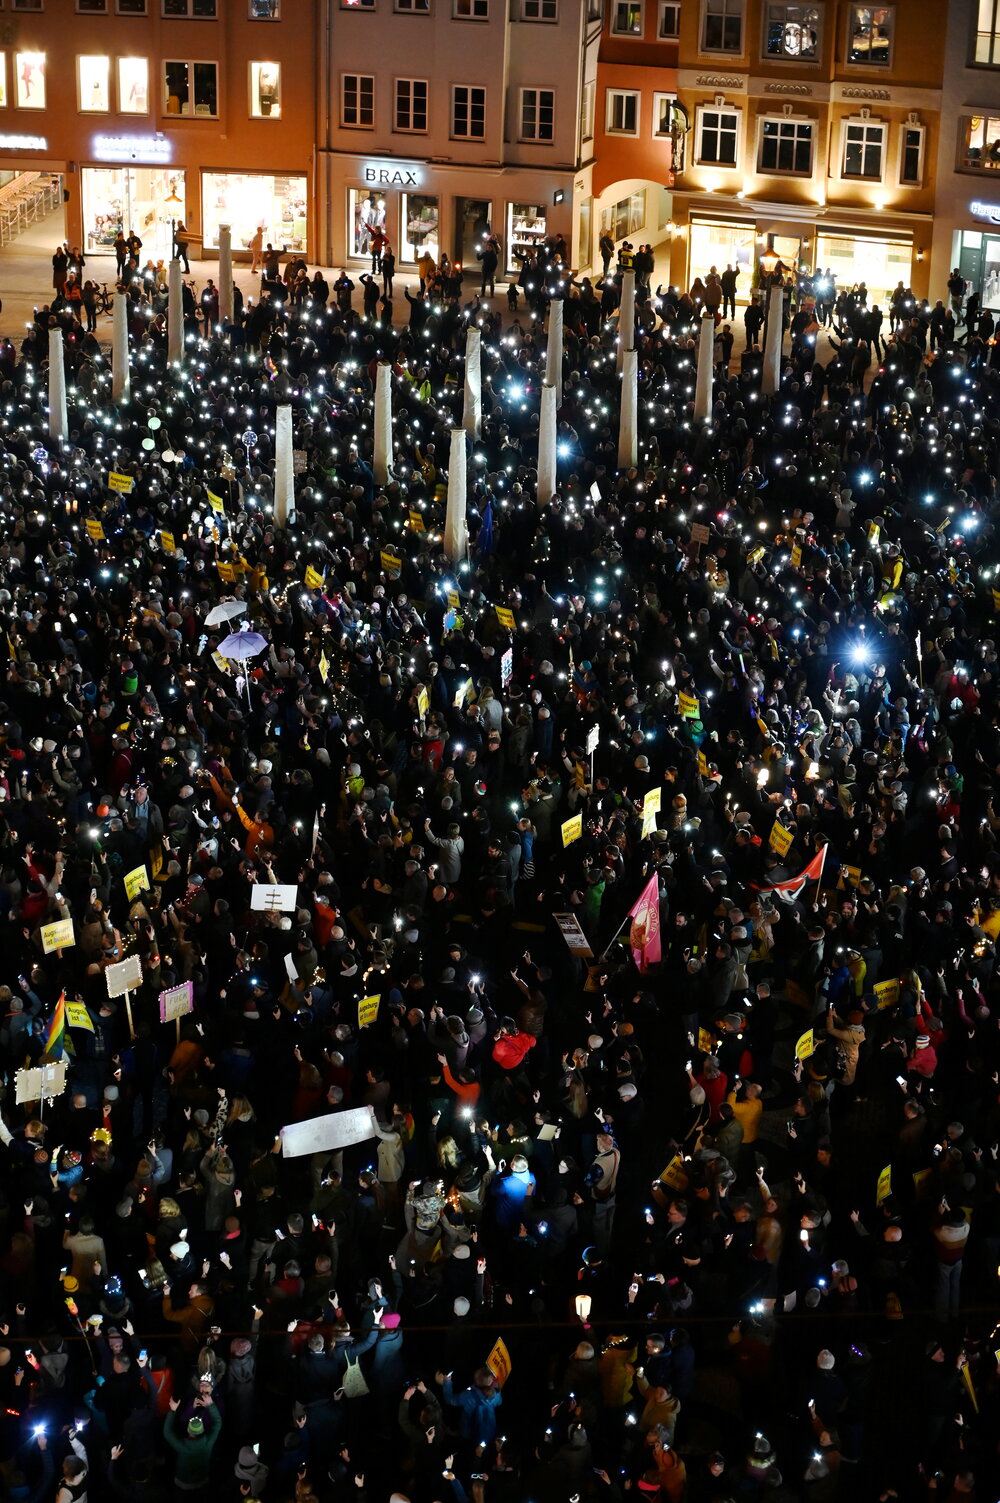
{"x":635,"y":878}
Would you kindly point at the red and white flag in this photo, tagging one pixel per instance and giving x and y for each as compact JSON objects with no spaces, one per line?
{"x":794,"y":885}
{"x":644,"y":937}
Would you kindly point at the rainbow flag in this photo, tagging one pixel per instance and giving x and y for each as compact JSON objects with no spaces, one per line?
{"x":55,"y":1038}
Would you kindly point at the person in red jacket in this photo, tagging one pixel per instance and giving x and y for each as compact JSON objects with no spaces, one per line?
{"x":511,"y":1045}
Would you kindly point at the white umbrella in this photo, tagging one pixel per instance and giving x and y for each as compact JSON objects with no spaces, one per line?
{"x":227,"y":611}
{"x":242,"y":645}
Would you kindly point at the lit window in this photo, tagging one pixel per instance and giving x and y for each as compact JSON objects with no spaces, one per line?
{"x":911,"y":154}
{"x":265,"y":91}
{"x":987,"y":39}
{"x":786,"y":146}
{"x":468,"y":112}
{"x":793,"y":32}
{"x":133,"y":86}
{"x":981,"y":143}
{"x":587,"y":111}
{"x":411,"y":104}
{"x":669,"y":28}
{"x":191,"y":89}
{"x":626,"y":18}
{"x":3,"y":80}
{"x":869,"y":34}
{"x":722,"y":28}
{"x":864,"y":148}
{"x":622,"y":112}
{"x":29,"y":80}
{"x":357,"y":111}
{"x":718,"y":136}
{"x":538,"y":110}
{"x":95,"y":84}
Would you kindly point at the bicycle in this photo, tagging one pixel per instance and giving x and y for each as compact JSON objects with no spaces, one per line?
{"x":103,"y":299}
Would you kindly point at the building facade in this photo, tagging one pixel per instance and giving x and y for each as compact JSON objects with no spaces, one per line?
{"x":967,"y":210}
{"x":441,"y":119}
{"x":149,"y":112}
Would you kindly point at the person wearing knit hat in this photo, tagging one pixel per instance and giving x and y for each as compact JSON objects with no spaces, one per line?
{"x":192,"y":1444}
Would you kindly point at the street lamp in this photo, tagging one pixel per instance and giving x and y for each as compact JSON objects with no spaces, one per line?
{"x":174,"y":203}
{"x":769,"y":263}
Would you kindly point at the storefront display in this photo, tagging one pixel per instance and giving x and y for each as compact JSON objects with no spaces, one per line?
{"x":721,"y":245}
{"x":880,"y":264}
{"x":526,"y":230}
{"x":133,"y":85}
{"x":419,"y":221}
{"x":977,"y":256}
{"x":248,"y":201}
{"x":29,"y":80}
{"x":149,"y":200}
{"x":95,"y":88}
{"x":367,"y":212}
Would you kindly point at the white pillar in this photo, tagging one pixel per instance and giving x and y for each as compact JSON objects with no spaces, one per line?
{"x":554,"y":348}
{"x":472,"y":408}
{"x":284,"y":485}
{"x":628,"y":414}
{"x":225,"y":274}
{"x":383,"y":423}
{"x":58,"y":417}
{"x":119,"y":349}
{"x":706,"y":360}
{"x":772,"y":340}
{"x":547,"y":446}
{"x":175,"y":313}
{"x":626,"y":317}
{"x":456,"y":531}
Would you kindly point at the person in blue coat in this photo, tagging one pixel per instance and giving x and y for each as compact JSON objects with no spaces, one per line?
{"x":477,"y":1406}
{"x":511,"y":1190}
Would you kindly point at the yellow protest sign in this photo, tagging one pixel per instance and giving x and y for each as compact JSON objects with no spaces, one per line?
{"x":156,"y":863}
{"x":796,"y":555}
{"x":136,"y":881}
{"x":167,"y":541}
{"x":216,"y":503}
{"x":806,"y":1045}
{"x":465,"y":691}
{"x":124,"y":484}
{"x":77,"y":1016}
{"x":755,"y":555}
{"x":702,"y":765}
{"x":884,"y":1188}
{"x":650,"y":809}
{"x":674,"y":1175}
{"x":423,"y":702}
{"x":920,"y":1178}
{"x":498,"y":1363}
{"x":705,"y":1041}
{"x":314,"y":579}
{"x":223,"y":664}
{"x":572,"y":829}
{"x":226,"y":572}
{"x":94,"y":530}
{"x":887,"y":994}
{"x":368,"y":1010}
{"x":58,"y":936}
{"x":390,"y":563}
{"x":324,"y":667}
{"x":874,"y":533}
{"x":688,"y":706}
{"x":850,"y":876}
{"x":453,"y":599}
{"x":505,"y":617}
{"x":780,"y":839}
{"x":417,"y":522}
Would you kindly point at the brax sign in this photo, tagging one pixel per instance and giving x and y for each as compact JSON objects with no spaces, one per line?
{"x":390,"y":176}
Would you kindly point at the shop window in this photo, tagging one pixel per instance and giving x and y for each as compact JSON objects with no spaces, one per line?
{"x":191,"y":89}
{"x":265,"y":91}
{"x":471,"y":10}
{"x":411,"y":104}
{"x":3,"y":80}
{"x":718,"y":136}
{"x":869,"y":34}
{"x":669,"y":28}
{"x":539,"y":10}
{"x":622,"y":117}
{"x":468,"y":112}
{"x":786,"y":146}
{"x":793,"y":32}
{"x":357,"y":101}
{"x":986,"y":50}
{"x":92,"y":7}
{"x":538,"y":110}
{"x":420,"y":221}
{"x":722,"y":26}
{"x":192,"y":10}
{"x":29,"y":80}
{"x":663,"y":116}
{"x":587,"y":95}
{"x":911,"y":154}
{"x":94,"y":79}
{"x":626,"y":217}
{"x":130,"y":7}
{"x":526,"y":230}
{"x":251,"y":201}
{"x":626,"y":18}
{"x":149,"y":200}
{"x":980,"y":137}
{"x":366,"y":216}
{"x":265,"y":10}
{"x":864,"y":150}
{"x":133,"y":86}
